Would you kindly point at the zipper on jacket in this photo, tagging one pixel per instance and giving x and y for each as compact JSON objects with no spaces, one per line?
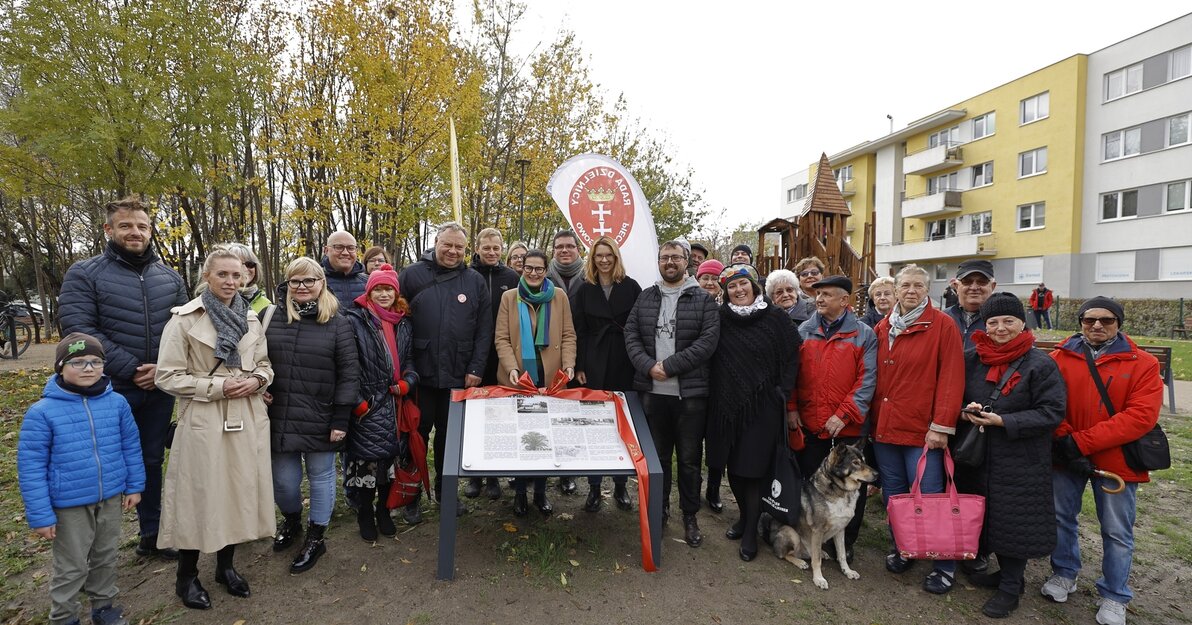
{"x":94,"y":446}
{"x":148,"y":324}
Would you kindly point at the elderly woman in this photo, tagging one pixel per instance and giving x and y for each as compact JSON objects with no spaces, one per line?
{"x":782,"y":287}
{"x":516,"y":256}
{"x":753,"y":371}
{"x":374,"y":257}
{"x":534,"y":335}
{"x":708,"y":276}
{"x":217,"y":491}
{"x":920,"y":381}
{"x":315,"y":383}
{"x":251,"y":291}
{"x":881,"y":301}
{"x":600,"y":310}
{"x":809,"y":270}
{"x":385,"y":345}
{"x":1015,"y":478}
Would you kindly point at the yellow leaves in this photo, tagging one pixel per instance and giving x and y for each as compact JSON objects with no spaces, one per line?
{"x":509,"y":527}
{"x":574,"y":563}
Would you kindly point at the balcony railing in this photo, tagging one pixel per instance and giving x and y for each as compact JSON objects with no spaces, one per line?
{"x":961,"y":246}
{"x":933,"y":205}
{"x":933,"y":159}
{"x":847,"y":187}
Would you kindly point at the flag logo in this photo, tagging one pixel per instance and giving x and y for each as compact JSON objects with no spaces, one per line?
{"x":601,"y":204}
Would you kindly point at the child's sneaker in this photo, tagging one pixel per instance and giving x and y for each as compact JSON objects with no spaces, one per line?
{"x":108,"y":615}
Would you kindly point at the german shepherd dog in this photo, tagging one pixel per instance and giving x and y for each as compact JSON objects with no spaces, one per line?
{"x":829,"y":500}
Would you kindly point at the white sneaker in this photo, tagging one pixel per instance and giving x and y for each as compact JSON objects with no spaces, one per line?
{"x":1111,"y":613}
{"x":1057,"y":588}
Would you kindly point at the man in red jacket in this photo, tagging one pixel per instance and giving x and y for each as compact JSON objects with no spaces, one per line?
{"x":1041,"y":300}
{"x":1093,"y":431}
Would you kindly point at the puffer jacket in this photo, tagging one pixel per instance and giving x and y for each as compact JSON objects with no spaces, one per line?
{"x":920,"y":382}
{"x":697,"y":332}
{"x":373,"y":435}
{"x":837,"y":375}
{"x":126,"y":308}
{"x":453,"y":323}
{"x":345,"y":286}
{"x":1131,"y":377}
{"x":76,"y":451}
{"x":316,"y":380}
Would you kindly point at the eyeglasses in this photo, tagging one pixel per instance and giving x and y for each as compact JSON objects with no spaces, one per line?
{"x":1091,"y":321}
{"x":304,"y":283}
{"x":810,"y":273}
{"x":83,"y":364}
{"x":250,"y":264}
{"x":517,"y":257}
{"x":339,"y":249}
{"x":534,"y":270}
{"x":674,"y":258}
{"x":566,"y":246}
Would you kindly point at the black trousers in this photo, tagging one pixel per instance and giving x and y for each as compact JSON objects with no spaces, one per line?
{"x":1013,"y":572}
{"x":434,"y":404}
{"x":677,"y":426}
{"x":813,"y":456}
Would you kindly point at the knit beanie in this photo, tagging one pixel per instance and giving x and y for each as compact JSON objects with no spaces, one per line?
{"x":76,"y":344}
{"x":739,"y":270}
{"x":1106,"y":303}
{"x":743,"y":248}
{"x":385,"y":275}
{"x":711,"y":266}
{"x":1003,"y":303}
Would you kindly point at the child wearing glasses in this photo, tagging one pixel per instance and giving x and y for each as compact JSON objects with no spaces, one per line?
{"x":79,"y":465}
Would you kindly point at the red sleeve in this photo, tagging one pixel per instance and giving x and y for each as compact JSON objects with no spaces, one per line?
{"x":949,"y":387}
{"x":1135,"y":416}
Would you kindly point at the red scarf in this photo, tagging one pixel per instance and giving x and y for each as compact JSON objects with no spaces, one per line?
{"x":388,"y":320}
{"x":998,"y":357}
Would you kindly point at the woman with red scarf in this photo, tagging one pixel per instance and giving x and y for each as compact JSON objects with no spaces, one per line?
{"x":376,"y":439}
{"x":1016,"y":394}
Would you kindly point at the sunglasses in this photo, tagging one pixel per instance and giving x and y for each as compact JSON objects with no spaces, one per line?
{"x":250,"y":264}
{"x":809,"y":274}
{"x":1091,"y":321}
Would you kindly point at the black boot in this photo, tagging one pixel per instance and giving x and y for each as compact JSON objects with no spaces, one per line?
{"x":472,"y":488}
{"x":384,"y":520}
{"x":691,"y":532}
{"x":412,"y":513}
{"x":192,"y":593}
{"x":621,"y":496}
{"x":312,"y":549}
{"x":237,"y":586}
{"x":492,"y":488}
{"x":593,"y":502}
{"x":567,"y":485}
{"x":148,"y":547}
{"x":365,"y":515}
{"x":521,"y":504}
{"x":288,"y":531}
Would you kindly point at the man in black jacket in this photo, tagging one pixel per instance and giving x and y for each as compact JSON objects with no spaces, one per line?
{"x":123,"y":298}
{"x":670,"y":337}
{"x":345,"y":274}
{"x":453,"y":331}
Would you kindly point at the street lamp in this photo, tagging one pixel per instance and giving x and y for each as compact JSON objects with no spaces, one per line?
{"x":522,"y":164}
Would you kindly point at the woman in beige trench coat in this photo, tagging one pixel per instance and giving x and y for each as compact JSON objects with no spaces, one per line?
{"x":218,"y":486}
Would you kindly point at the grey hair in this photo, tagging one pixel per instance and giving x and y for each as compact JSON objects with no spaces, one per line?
{"x":450,"y":226}
{"x":779,"y":277}
{"x":880,"y":282}
{"x":912,"y":268}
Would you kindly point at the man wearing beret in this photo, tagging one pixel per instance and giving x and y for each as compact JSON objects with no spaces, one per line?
{"x":1094,"y":431}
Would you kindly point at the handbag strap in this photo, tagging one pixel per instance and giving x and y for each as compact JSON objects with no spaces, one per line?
{"x":997,"y":392}
{"x":1088,"y":358}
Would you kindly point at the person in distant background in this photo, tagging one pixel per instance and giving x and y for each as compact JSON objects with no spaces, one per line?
{"x":374,"y":257}
{"x":1041,"y":301}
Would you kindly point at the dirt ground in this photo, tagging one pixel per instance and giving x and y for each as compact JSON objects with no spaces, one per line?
{"x":511,"y":570}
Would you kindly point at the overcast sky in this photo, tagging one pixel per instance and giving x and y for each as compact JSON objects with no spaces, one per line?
{"x":747,"y":95}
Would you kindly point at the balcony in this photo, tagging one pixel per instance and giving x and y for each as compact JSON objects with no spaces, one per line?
{"x":964,"y":246}
{"x":931,"y":160}
{"x":934,"y":205}
{"x":848,"y":187}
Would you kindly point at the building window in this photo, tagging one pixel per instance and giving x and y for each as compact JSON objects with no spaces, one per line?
{"x":796,"y":193}
{"x":941,"y":271}
{"x":948,"y":137}
{"x":1032,"y":162}
{"x":1121,"y":143}
{"x":1034,"y":108}
{"x":1177,"y":129}
{"x":1178,"y":196}
{"x":982,"y":174}
{"x":939,"y":184}
{"x":1181,"y":63}
{"x":1123,"y":82}
{"x":1119,"y":205}
{"x":844,"y":174}
{"x":1115,"y":267}
{"x":983,"y":126}
{"x":1030,"y":216}
{"x":941,"y":229}
{"x":1175,"y":263}
{"x":981,"y":223}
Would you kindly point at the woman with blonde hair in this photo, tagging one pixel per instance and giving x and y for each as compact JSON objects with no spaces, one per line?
{"x":516,"y":256}
{"x":315,"y":387}
{"x":251,"y":291}
{"x":217,"y":492}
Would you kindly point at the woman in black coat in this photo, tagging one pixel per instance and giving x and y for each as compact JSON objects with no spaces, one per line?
{"x":315,"y":382}
{"x":385,"y":343}
{"x":599,"y":311}
{"x":753,"y":371}
{"x":1016,"y":475}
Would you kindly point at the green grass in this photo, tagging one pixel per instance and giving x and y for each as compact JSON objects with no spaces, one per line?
{"x":546,"y":551}
{"x":1181,"y":350}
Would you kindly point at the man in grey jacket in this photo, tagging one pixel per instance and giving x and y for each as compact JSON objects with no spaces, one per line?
{"x":670,"y":336}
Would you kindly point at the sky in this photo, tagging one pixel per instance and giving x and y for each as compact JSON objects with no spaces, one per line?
{"x":748,"y":92}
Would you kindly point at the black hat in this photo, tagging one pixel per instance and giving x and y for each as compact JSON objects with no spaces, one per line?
{"x":743,"y":248}
{"x":1106,"y":303}
{"x":836,"y":281}
{"x":700,"y":247}
{"x":975,"y":265}
{"x":1003,"y":303}
{"x":76,"y":344}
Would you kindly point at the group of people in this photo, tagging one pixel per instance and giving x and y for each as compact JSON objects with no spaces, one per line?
{"x":726,"y":361}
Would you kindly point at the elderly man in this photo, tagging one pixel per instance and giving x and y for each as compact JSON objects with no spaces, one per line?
{"x":1102,"y":416}
{"x":837,"y":376}
{"x":974,"y":284}
{"x":453,"y":333}
{"x":670,"y":337}
{"x":123,"y":298}
{"x":345,"y":275}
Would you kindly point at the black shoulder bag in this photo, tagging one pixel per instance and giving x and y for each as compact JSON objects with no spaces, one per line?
{"x":1149,"y":453}
{"x":973,"y":444}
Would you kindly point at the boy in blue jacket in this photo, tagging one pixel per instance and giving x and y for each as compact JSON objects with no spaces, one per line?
{"x":79,"y":462}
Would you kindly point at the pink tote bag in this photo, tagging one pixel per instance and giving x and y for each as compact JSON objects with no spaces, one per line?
{"x":944,"y":526}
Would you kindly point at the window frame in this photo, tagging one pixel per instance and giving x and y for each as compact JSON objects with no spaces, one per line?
{"x":1187,"y":184}
{"x":1022,"y":104}
{"x":1119,"y":208}
{"x":1124,"y":72}
{"x":1121,"y":139}
{"x":989,"y":122}
{"x":1187,"y":117}
{"x":1171,"y":63}
{"x":1038,"y":216}
{"x":978,"y":223}
{"x":987,"y":173}
{"x":1035,"y":171}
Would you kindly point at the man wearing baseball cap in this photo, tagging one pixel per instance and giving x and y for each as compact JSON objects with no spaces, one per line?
{"x":974,"y":284}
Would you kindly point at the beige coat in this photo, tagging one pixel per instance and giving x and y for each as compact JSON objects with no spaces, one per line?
{"x":218,"y":487}
{"x":559,"y":354}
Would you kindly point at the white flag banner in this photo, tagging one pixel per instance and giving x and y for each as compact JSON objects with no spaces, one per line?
{"x":599,"y":197}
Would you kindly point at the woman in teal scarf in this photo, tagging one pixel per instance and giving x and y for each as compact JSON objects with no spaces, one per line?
{"x":534,"y":335}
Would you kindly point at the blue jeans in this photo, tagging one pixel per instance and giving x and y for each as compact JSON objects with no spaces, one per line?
{"x":1116,"y":515}
{"x":287,"y":483}
{"x":897,"y":465}
{"x":152,"y":411}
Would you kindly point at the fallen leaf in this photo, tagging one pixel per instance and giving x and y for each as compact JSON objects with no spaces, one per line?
{"x":239,"y":622}
{"x":161,"y":570}
{"x":525,"y":570}
{"x":363,"y":568}
{"x":715,"y":618}
{"x":511,"y":528}
{"x":405,"y":561}
{"x":679,"y":540}
{"x":563,"y":578}
{"x":565,"y":516}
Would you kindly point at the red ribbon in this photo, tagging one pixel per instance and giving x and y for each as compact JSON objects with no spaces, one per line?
{"x":558,"y":388}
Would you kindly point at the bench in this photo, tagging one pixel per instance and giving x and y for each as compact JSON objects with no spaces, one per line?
{"x":1161,"y":353}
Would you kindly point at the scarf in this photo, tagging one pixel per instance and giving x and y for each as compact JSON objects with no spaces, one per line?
{"x":998,"y":357}
{"x":566,"y":272}
{"x":231,"y":324}
{"x":534,"y":337}
{"x":388,"y":321}
{"x":830,"y":328}
{"x":900,"y":322}
{"x":759,"y":303}
{"x":94,"y":390}
{"x":307,"y":309}
{"x":1097,"y":350}
{"x":137,"y":261}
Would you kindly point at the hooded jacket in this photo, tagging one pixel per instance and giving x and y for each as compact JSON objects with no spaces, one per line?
{"x":453,"y":323}
{"x":697,"y":331}
{"x":837,"y":375}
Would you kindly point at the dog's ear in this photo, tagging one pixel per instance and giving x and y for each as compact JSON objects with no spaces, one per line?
{"x":860,"y":446}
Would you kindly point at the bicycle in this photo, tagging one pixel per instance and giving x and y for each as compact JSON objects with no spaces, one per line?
{"x":15,"y":336}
